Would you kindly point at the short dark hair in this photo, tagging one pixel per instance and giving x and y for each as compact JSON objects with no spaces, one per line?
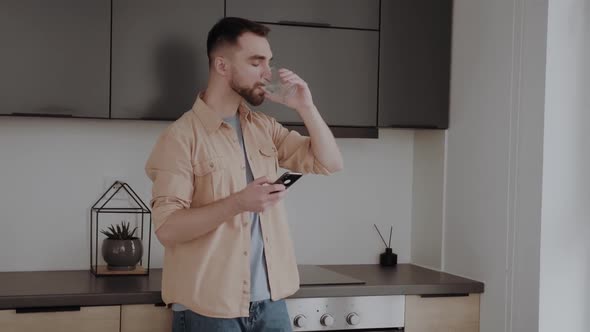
{"x":229,"y":29}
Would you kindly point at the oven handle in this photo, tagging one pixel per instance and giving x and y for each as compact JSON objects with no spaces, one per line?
{"x":367,"y":330}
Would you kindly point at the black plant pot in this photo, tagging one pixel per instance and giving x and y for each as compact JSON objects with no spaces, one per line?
{"x":122,"y":255}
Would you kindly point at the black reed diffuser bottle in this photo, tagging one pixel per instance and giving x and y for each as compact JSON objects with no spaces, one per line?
{"x":387,"y":258}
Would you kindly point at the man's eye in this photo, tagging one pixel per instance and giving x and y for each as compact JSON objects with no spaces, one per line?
{"x":255,"y":64}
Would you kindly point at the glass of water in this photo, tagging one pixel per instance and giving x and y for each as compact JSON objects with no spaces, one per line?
{"x":275,"y":86}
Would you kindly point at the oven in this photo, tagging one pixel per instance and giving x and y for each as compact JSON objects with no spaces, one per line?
{"x":354,"y":313}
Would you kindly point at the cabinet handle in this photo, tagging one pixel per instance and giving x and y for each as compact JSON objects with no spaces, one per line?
{"x":411,"y":126}
{"x":47,"y":115}
{"x":312,"y":24}
{"x":47,"y":309}
{"x":154,"y":118}
{"x":443,"y":295}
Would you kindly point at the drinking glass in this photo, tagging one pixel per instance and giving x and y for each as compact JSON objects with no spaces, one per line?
{"x":275,"y":86}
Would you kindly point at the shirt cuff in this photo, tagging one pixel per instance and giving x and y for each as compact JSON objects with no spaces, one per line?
{"x":163,"y":207}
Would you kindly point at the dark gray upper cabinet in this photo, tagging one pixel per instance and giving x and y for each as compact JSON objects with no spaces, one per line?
{"x":415,"y":59}
{"x":159,"y":60}
{"x":339,"y":66}
{"x":361,"y":14}
{"x":55,"y":57}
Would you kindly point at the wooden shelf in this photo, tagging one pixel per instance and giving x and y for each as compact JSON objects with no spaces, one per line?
{"x":102,"y":270}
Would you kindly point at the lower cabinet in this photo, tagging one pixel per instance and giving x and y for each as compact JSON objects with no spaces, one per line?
{"x":86,"y":319}
{"x":145,"y":318}
{"x":442,"y":314}
{"x":422,"y":314}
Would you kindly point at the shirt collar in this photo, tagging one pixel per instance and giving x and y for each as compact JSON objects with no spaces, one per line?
{"x":211,"y":119}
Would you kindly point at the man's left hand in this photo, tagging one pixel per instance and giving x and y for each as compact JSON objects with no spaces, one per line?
{"x":299,"y":100}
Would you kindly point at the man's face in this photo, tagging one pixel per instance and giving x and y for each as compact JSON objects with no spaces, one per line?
{"x":249,"y":66}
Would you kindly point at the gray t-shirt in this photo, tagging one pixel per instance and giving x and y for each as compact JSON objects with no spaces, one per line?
{"x":258,"y":275}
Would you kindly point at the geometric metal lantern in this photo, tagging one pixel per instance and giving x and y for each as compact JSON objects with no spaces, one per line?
{"x":119,"y":199}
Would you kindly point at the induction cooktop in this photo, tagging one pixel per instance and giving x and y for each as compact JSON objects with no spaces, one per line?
{"x":313,"y":275}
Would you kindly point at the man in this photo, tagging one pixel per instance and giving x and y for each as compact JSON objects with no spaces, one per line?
{"x":229,"y":258}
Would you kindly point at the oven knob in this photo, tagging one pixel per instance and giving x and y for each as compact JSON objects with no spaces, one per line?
{"x":353,"y":319}
{"x":327,"y":320}
{"x":299,"y":321}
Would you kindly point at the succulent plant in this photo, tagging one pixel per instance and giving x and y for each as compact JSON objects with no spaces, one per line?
{"x":120,"y":232}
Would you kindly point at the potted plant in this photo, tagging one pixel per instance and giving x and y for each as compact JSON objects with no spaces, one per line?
{"x":121,"y":250}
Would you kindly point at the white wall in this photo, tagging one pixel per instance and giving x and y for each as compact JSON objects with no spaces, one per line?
{"x":53,"y":170}
{"x":565,"y":235}
{"x":427,"y":197}
{"x":332,"y":217}
{"x":475,"y":234}
{"x":494,"y":156}
{"x":524,"y":214}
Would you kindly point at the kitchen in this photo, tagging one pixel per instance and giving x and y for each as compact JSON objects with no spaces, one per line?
{"x":509,"y":74}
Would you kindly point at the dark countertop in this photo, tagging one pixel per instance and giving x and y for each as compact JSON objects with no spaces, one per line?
{"x":81,"y":288}
{"x":404,"y":279}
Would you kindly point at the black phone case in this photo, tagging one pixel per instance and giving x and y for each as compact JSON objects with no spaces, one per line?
{"x":287,"y":179}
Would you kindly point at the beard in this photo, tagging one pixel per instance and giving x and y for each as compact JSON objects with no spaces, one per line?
{"x":252,"y":95}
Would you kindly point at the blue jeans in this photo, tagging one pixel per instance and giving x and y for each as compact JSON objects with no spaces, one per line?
{"x":265,"y":316}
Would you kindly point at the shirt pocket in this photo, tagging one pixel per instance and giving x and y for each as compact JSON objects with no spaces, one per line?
{"x":269,"y":161}
{"x":209,"y":180}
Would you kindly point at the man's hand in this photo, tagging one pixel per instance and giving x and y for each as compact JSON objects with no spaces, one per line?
{"x":257,"y":196}
{"x":300,"y":100}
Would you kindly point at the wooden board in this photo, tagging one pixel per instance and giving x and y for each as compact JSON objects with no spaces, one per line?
{"x":145,"y":318}
{"x":442,"y":314}
{"x":88,"y":319}
{"x":102,"y":270}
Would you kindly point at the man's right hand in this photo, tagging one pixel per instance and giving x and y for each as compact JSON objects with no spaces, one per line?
{"x":258,"y":196}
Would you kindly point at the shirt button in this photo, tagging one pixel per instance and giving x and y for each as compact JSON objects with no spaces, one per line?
{"x":211,"y":165}
{"x":245,"y":223}
{"x":245,"y":253}
{"x":245,"y":292}
{"x":243,"y":166}
{"x":245,"y":282}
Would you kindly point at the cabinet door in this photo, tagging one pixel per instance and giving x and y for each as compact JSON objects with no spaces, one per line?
{"x":442,"y":314}
{"x":415,"y":60}
{"x":86,"y":319}
{"x":55,"y":57}
{"x":361,"y":14}
{"x":340,"y":67}
{"x":145,"y":318}
{"x":160,"y":56}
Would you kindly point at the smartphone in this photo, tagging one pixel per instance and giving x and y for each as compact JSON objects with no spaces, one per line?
{"x":287,"y":179}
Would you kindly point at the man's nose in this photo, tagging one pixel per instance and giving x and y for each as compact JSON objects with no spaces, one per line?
{"x":267,"y":73}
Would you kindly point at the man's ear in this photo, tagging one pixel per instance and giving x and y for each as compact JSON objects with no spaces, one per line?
{"x":221,"y":66}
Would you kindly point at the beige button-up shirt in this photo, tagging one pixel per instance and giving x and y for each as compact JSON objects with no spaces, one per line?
{"x":198,"y":160}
